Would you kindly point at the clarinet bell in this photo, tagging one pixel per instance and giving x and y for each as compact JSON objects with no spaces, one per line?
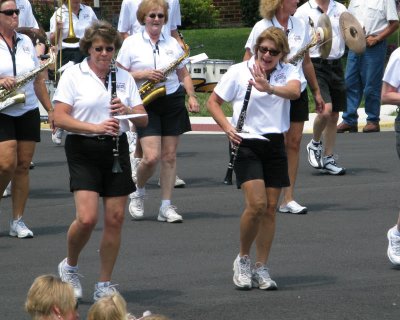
{"x":116,"y":168}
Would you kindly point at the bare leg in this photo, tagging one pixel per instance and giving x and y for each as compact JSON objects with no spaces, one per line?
{"x":330,"y":133}
{"x":169,"y":145}
{"x":151,"y":156}
{"x":8,"y":162}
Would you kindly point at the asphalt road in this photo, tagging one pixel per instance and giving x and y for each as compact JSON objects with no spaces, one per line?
{"x":328,"y":264}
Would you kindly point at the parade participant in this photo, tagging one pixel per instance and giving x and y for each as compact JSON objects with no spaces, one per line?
{"x":82,"y":17}
{"x":83,"y":108}
{"x":364,"y":71}
{"x":146,"y":55}
{"x":331,"y":82}
{"x":391,"y":95}
{"x":49,"y":298}
{"x":20,"y":122}
{"x":26,"y":17}
{"x":261,"y":165}
{"x":279,"y":13}
{"x":128,"y":24}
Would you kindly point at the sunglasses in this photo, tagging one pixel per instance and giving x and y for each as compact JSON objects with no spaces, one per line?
{"x":158,"y":15}
{"x":100,"y":49}
{"x":10,"y":12}
{"x":272,"y":52}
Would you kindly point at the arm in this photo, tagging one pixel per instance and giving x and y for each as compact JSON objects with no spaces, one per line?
{"x":147,"y":74}
{"x":309,"y":73}
{"x":43,"y":96}
{"x":141,"y":121}
{"x":389,"y":94}
{"x":184,"y":77}
{"x":392,"y":27}
{"x":247,"y":55}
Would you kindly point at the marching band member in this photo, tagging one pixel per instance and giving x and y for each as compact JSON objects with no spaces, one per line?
{"x":279,"y":13}
{"x":26,"y":17}
{"x":19,"y":123}
{"x":261,"y":165}
{"x":89,"y":149}
{"x":331,"y":82}
{"x":145,"y":55}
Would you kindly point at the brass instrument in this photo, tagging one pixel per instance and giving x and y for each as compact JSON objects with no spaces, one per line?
{"x":11,"y":97}
{"x":147,"y":90}
{"x":71,"y":38}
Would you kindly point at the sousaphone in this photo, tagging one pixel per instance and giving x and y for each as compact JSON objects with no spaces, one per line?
{"x":353,"y":33}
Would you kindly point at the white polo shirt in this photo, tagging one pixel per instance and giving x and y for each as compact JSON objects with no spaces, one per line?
{"x":391,"y":75}
{"x":26,"y":17}
{"x":128,"y":20}
{"x":80,"y":22}
{"x":80,"y":88}
{"x":298,"y":38}
{"x":26,"y":61}
{"x":374,"y":15}
{"x":335,"y":9}
{"x":265,"y":113}
{"x":138,"y":53}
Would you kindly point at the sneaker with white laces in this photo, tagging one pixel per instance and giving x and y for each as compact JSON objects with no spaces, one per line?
{"x":71,"y":277}
{"x":19,"y":229}
{"x":314,"y":151}
{"x":242,"y":272}
{"x":393,"y":251}
{"x":134,"y":166}
{"x":56,"y":136}
{"x":7,"y":191}
{"x":136,"y":206}
{"x":169,"y":214}
{"x":293,"y":207}
{"x":261,"y":278}
{"x":331,"y":167}
{"x":105,"y":290}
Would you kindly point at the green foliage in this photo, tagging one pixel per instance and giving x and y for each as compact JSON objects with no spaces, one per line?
{"x":199,"y":14}
{"x":43,"y":11}
{"x":250,"y":14}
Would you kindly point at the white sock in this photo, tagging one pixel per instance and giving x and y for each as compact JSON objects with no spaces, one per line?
{"x":165,"y":203}
{"x":141,"y":191}
{"x":71,"y":268}
{"x":103,"y":284}
{"x":316,"y":142}
{"x":396,"y":231}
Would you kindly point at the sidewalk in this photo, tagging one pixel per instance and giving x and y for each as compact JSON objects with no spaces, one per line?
{"x":208,"y":125}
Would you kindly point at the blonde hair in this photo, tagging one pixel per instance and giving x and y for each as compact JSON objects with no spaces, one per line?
{"x":155,"y":317}
{"x":108,"y":308}
{"x":47,"y":292}
{"x":268,"y":8}
{"x":146,"y":5}
{"x":277,"y":36}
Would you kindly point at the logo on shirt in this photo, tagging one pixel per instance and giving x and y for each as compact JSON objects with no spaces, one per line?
{"x":280,"y":78}
{"x":86,"y":16}
{"x":121,"y":86}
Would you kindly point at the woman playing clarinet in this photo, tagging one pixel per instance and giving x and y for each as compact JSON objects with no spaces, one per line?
{"x":88,"y":96}
{"x":261,"y":164}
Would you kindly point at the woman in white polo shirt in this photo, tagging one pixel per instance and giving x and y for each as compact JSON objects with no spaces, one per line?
{"x":83,"y":107}
{"x":145,"y":55}
{"x":261,"y":165}
{"x":19,"y":123}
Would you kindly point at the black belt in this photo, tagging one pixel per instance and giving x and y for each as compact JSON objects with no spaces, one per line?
{"x":332,"y":62}
{"x":100,"y":137}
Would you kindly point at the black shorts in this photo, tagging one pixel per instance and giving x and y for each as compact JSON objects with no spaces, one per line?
{"x":265,"y":160}
{"x":90,"y":162}
{"x":299,"y":108}
{"x":22,"y":128}
{"x":331,"y":82}
{"x":167,"y":115}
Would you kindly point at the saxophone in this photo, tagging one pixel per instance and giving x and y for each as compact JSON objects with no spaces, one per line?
{"x":147,"y":90}
{"x":11,"y":97}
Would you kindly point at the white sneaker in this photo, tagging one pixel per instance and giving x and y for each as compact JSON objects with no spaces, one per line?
{"x":393,"y":251}
{"x":242,"y":272}
{"x":19,"y":229}
{"x":134,"y":166}
{"x":71,"y":277}
{"x":7,"y":191}
{"x":106,"y":290}
{"x":56,"y":136}
{"x":169,"y":214}
{"x":293,"y":207}
{"x":314,"y":151}
{"x":262,"y":280}
{"x":136,"y":206}
{"x":331,"y":167}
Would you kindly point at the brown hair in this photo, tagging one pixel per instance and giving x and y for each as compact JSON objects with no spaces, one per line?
{"x":268,"y":8}
{"x":146,"y":5}
{"x":277,"y":36}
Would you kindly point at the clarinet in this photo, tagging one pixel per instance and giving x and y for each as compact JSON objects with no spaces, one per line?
{"x":116,"y":168}
{"x":234,"y":149}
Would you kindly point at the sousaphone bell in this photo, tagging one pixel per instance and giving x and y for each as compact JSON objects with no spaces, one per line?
{"x":353,"y":33}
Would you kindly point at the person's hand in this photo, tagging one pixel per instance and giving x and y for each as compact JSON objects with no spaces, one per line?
{"x":155,"y":75}
{"x":8,"y":83}
{"x":259,"y":80}
{"x":319,"y":103}
{"x":108,"y":127}
{"x":372,"y":41}
{"x":233,"y":137}
{"x":194,"y":105}
{"x":117,"y":107}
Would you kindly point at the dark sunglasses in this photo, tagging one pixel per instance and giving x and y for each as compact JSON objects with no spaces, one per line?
{"x":100,"y":49}
{"x":10,"y":12}
{"x":158,"y":15}
{"x":272,"y":52}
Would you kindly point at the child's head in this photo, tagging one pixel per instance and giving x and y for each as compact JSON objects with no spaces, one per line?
{"x":108,"y":308}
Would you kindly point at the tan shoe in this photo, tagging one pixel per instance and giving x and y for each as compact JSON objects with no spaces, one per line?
{"x":372,"y":127}
{"x":344,"y":127}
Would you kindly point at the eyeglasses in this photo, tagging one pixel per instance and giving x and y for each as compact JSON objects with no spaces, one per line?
{"x":101,"y":49}
{"x":158,"y":15}
{"x":272,"y":52}
{"x":10,"y":12}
